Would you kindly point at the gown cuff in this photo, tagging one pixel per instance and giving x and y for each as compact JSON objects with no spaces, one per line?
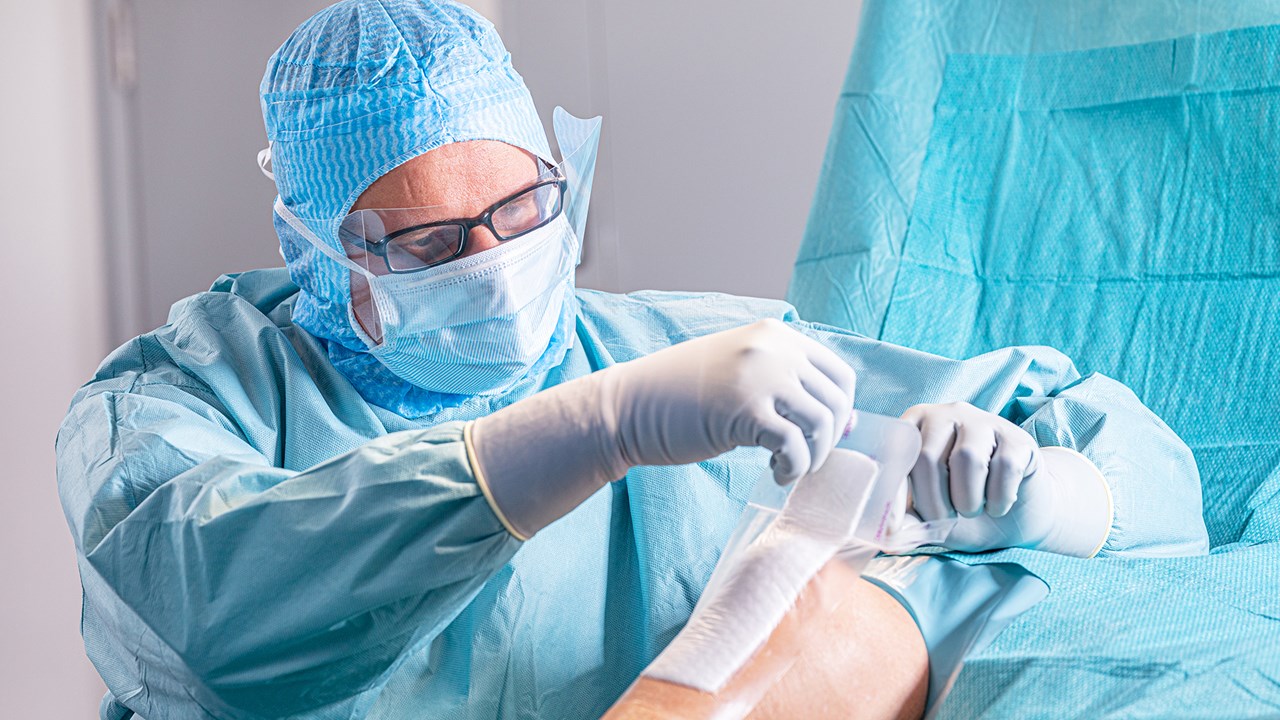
{"x":482,"y":481}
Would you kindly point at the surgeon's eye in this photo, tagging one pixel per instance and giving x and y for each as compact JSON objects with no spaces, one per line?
{"x":527,"y":211}
{"x":420,"y":247}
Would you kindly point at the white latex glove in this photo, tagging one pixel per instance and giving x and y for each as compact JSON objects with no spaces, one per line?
{"x":970,"y":461}
{"x":1052,"y":499}
{"x":762,"y":384}
{"x":1064,"y":508}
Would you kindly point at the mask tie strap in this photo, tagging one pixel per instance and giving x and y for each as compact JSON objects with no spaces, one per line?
{"x":264,"y":160}
{"x":294,"y":222}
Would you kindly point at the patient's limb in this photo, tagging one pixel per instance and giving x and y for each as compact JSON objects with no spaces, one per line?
{"x":864,"y":659}
{"x":790,"y":616}
{"x":846,"y":650}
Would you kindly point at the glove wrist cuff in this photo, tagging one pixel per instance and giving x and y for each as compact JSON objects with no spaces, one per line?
{"x":539,"y":458}
{"x":1084,"y":501}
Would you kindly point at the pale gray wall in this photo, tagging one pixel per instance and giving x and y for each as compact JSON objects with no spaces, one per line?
{"x":54,"y":333}
{"x":716,"y":118}
{"x":190,"y":202}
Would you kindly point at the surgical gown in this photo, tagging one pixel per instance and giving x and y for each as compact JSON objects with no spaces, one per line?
{"x":256,"y":540}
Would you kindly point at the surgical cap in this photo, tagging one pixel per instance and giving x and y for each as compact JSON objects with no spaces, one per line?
{"x":357,"y":90}
{"x":365,"y":85}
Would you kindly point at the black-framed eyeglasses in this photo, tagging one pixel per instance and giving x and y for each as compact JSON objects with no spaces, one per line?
{"x":419,"y":247}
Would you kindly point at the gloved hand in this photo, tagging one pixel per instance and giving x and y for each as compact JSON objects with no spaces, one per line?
{"x":762,"y":384}
{"x":970,"y":461}
{"x":1052,"y":499}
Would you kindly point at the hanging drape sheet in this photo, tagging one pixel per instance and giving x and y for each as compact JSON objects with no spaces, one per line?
{"x":1103,"y":178}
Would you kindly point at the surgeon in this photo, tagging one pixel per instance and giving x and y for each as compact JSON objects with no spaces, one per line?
{"x":418,"y":474}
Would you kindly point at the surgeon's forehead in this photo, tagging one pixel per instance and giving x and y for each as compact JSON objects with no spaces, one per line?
{"x":458,"y":179}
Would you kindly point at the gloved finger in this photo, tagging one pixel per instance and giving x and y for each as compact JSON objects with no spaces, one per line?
{"x":968,"y":463}
{"x":787,"y":442}
{"x":1011,"y":465}
{"x":929,"y":482}
{"x":814,"y":420}
{"x":837,"y":403}
{"x":833,"y":366}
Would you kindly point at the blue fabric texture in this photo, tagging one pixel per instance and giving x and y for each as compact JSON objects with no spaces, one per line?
{"x":256,"y":539}
{"x":990,"y":183}
{"x":1130,"y":217}
{"x":848,"y":260}
{"x":979,"y":601}
{"x":354,"y":92}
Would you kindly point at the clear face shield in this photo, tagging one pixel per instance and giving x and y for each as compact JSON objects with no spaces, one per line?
{"x":410,"y":241}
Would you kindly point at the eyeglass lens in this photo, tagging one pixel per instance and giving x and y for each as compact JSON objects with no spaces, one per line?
{"x":433,"y":244}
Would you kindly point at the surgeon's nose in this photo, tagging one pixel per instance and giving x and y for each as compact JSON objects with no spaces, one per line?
{"x":479,"y":240}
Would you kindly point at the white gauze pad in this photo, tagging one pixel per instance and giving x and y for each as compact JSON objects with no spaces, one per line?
{"x":764,"y":578}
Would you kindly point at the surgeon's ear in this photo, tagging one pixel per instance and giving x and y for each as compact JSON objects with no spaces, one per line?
{"x":362,"y":304}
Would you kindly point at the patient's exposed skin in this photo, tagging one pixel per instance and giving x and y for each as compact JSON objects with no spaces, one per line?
{"x":853,"y":651}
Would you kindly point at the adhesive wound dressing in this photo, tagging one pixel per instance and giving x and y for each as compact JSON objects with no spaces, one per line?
{"x":818,"y":520}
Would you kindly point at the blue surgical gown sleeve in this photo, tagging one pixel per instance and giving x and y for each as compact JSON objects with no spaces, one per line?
{"x":1155,"y":484}
{"x":279,"y":590}
{"x":1154,"y":481}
